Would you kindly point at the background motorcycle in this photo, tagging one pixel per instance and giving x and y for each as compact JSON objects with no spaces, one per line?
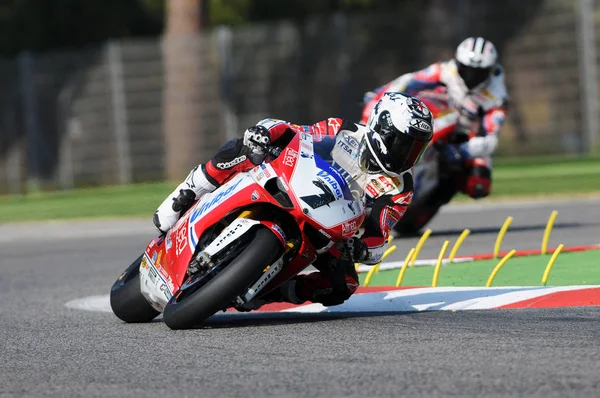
{"x":243,"y":240}
{"x":442,"y":171}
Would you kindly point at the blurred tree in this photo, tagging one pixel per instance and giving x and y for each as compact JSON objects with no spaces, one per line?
{"x":39,"y":25}
{"x":182,"y":61}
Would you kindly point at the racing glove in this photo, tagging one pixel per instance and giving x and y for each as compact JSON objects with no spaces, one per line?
{"x":479,"y":147}
{"x":354,"y":249}
{"x":257,"y":139}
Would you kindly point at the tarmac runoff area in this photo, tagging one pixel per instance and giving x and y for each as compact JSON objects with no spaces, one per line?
{"x":382,"y":343}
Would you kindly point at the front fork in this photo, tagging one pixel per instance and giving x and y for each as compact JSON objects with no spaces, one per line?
{"x":205,"y":259}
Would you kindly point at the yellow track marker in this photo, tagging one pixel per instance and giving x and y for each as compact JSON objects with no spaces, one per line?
{"x":375,"y":268}
{"x":419,"y":246}
{"x":548,"y":231}
{"x":438,"y":265}
{"x":356,"y":265}
{"x":551,"y":263}
{"x":501,"y":234}
{"x":370,"y":274}
{"x":497,"y":267}
{"x":389,"y":251}
{"x":404,"y":266}
{"x":459,"y":242}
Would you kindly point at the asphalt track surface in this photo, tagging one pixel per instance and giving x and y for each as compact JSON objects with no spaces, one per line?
{"x":48,"y":349}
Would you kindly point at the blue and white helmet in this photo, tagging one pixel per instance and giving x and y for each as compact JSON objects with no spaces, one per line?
{"x":475,"y":58}
{"x":400,"y":129}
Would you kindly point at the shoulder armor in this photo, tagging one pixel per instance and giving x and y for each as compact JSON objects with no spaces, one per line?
{"x":349,"y":126}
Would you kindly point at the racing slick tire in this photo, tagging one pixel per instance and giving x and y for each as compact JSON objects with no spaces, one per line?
{"x":219,"y":292}
{"x":126,"y":299}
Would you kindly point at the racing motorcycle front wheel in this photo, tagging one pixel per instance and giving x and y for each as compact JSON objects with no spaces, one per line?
{"x":185,"y":311}
{"x":126,"y":299}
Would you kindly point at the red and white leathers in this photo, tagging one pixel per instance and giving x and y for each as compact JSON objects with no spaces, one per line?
{"x":482,"y":111}
{"x":336,"y":141}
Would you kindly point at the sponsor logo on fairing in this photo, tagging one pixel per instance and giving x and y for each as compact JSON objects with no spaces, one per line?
{"x":270,"y":123}
{"x":349,"y":228}
{"x":265,"y":170}
{"x":290,"y":157}
{"x":153,"y":274}
{"x":255,"y":195}
{"x":165,"y":289}
{"x":216,"y":200}
{"x":332,"y":182}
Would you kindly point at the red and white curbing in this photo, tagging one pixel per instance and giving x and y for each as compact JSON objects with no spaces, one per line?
{"x":390,"y":299}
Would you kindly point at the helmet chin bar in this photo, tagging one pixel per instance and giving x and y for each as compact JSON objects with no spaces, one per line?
{"x":383,"y":169}
{"x":473,"y":77}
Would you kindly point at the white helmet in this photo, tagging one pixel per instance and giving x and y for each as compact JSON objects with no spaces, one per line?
{"x":400,"y":128}
{"x":475,"y":58}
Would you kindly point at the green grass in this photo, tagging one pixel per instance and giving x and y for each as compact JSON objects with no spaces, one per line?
{"x":569,"y":176}
{"x":578,"y":268}
{"x":132,"y":200}
{"x":523,"y":177}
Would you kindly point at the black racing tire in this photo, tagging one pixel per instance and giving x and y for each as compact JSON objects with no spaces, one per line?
{"x":233,"y":280}
{"x":126,"y":299}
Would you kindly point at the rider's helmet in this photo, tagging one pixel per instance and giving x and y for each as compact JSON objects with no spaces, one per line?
{"x":400,"y":128}
{"x":475,"y":58}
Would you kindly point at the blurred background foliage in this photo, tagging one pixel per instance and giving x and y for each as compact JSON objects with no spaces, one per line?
{"x":41,"y":25}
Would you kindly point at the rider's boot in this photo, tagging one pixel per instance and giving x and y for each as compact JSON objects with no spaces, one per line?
{"x":479,"y":181}
{"x":182,"y":198}
{"x":316,"y":287}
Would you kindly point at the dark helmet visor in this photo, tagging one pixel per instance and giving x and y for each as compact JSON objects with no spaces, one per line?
{"x":473,"y":76}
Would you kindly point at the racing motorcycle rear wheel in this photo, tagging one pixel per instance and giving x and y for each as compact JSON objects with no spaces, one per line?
{"x":126,"y":299}
{"x":184,"y":311}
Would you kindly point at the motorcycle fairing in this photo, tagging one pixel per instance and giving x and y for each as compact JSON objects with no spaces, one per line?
{"x":338,"y":219}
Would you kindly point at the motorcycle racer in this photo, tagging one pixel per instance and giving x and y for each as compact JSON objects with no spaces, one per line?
{"x":474,"y":84}
{"x":378,"y":156}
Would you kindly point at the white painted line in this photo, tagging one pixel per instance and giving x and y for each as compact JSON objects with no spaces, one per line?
{"x":91,"y":303}
{"x":419,"y":263}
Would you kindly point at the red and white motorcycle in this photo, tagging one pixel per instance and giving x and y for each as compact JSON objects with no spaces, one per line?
{"x":243,"y":240}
